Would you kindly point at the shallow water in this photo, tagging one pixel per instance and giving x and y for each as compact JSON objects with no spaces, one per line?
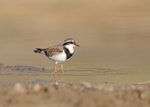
{"x":95,"y":75}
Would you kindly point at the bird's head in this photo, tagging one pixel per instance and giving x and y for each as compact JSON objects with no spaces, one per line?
{"x":70,"y":42}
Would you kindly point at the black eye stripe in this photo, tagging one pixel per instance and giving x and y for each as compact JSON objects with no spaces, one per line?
{"x":68,"y":43}
{"x":71,"y":42}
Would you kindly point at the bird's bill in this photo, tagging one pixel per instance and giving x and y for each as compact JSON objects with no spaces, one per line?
{"x":76,"y":44}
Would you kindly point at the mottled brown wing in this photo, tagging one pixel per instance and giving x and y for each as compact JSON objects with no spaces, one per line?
{"x":54,"y":50}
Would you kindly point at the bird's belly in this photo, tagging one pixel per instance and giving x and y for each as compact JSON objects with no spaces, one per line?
{"x":59,"y":57}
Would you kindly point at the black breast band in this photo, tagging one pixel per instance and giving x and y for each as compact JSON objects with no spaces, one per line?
{"x":67,"y":53}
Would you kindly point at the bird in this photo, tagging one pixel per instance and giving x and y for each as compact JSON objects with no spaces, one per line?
{"x":59,"y":54}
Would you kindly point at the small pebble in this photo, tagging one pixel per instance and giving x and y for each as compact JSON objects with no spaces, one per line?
{"x":37,"y":87}
{"x":86,"y":84}
{"x":18,"y":88}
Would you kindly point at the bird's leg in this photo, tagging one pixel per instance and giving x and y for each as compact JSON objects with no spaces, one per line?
{"x":62,"y":73}
{"x":55,"y":74}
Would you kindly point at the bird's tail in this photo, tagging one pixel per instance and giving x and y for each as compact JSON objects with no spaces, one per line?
{"x":39,"y":50}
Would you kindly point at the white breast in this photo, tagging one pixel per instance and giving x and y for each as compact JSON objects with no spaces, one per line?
{"x":70,"y":48}
{"x":59,"y":57}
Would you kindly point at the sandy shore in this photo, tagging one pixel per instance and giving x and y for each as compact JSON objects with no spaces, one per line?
{"x":71,"y":95}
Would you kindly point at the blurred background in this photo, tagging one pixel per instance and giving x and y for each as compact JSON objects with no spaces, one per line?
{"x":112,"y":34}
